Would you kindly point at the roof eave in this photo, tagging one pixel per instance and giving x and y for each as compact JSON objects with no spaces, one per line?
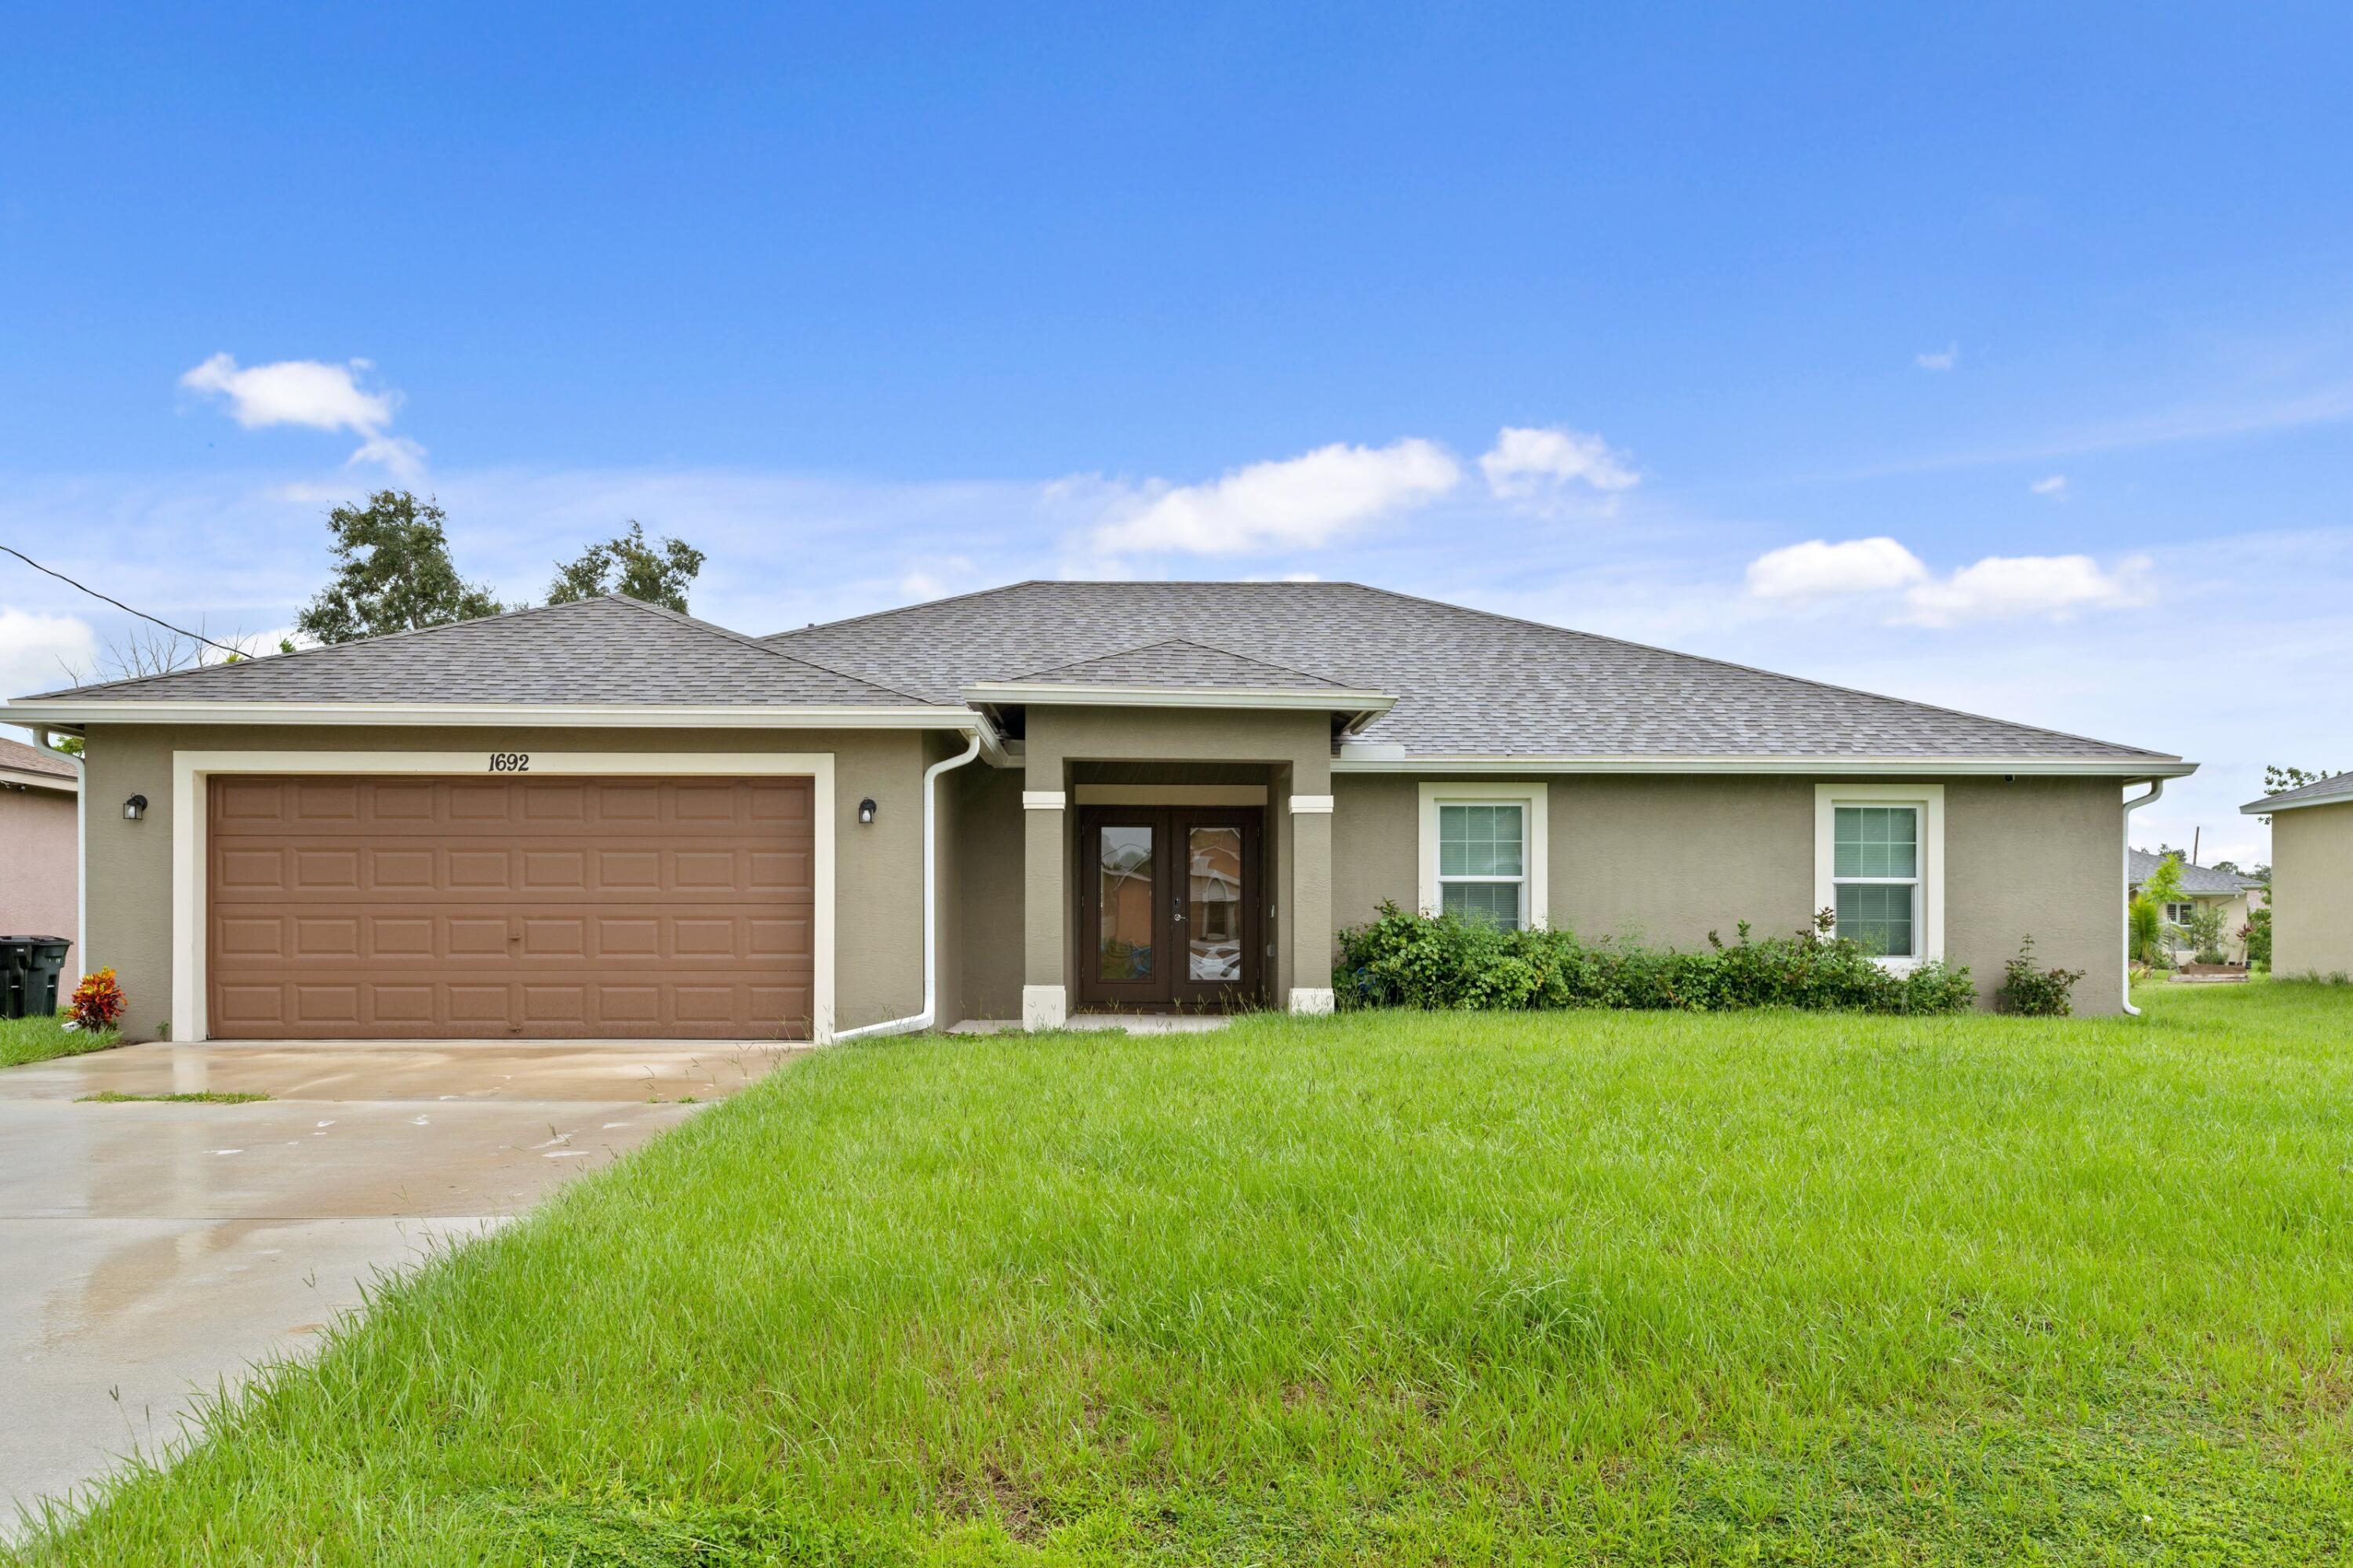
{"x":2271,"y":805}
{"x":1360,"y":707}
{"x":585,"y":716}
{"x":2121,"y":769}
{"x":64,"y":783}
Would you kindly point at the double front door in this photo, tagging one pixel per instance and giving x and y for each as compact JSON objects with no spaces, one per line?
{"x":1170,"y":908}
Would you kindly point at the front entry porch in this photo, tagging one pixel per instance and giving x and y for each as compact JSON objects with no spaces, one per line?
{"x":1179,"y":863}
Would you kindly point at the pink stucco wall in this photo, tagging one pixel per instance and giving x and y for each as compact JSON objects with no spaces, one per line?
{"x":36,"y":868}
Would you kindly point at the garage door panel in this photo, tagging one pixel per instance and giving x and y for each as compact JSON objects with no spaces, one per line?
{"x":422,"y":908}
{"x":477,"y":870}
{"x":318,"y":870}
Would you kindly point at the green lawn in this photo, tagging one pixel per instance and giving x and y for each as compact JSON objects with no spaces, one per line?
{"x":1393,"y":1288}
{"x":23,"y":1040}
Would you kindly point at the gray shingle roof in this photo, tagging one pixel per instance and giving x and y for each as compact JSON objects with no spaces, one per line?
{"x":608,"y":649}
{"x":2194,"y":878}
{"x":1176,"y":661}
{"x":1468,"y":683}
{"x":2325,"y":793}
{"x":18,"y":757}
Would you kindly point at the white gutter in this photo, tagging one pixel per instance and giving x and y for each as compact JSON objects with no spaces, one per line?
{"x":922,"y":1021}
{"x":36,"y":712}
{"x":2156,"y":788}
{"x":1352,"y":759}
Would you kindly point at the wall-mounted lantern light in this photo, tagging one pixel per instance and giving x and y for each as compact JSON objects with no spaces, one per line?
{"x":134,"y":808}
{"x":866,"y":811}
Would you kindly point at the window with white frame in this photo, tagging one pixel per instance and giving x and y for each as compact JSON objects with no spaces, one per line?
{"x":1879,"y":867}
{"x":1875,"y":854}
{"x":1482,"y":851}
{"x":2180,"y":914}
{"x":1483,"y":861}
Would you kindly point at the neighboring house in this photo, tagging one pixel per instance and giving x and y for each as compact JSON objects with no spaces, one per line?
{"x":2312,"y":876}
{"x":607,"y":819}
{"x":40,"y":881}
{"x":2202,"y":888}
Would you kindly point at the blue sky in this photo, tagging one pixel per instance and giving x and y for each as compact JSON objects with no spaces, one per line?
{"x":2000,"y":356}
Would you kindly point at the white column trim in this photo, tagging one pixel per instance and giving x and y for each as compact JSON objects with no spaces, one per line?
{"x":1311,"y":999}
{"x":1312,"y":804}
{"x":1044,"y":1007}
{"x":1043,"y":800}
{"x":191,"y":770}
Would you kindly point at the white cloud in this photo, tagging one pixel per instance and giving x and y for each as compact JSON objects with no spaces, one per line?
{"x":2002,"y":586}
{"x":1818,"y":568}
{"x":2054,"y":487}
{"x":1944,"y":359}
{"x":1295,"y":503}
{"x":1528,"y":462}
{"x":38,"y":651}
{"x":315,"y":394}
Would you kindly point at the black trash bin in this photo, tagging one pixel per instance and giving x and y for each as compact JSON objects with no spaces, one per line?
{"x":34,"y":966}
{"x":15,"y":958}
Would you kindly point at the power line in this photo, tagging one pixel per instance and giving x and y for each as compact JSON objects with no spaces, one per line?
{"x":118,"y":604}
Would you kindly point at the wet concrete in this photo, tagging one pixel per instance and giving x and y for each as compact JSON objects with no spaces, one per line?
{"x":149,"y":1251}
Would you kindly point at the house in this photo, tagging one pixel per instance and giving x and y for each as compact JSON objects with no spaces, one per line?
{"x":607,"y":819}
{"x":2312,"y":876}
{"x":2231,"y":894}
{"x":40,"y":888}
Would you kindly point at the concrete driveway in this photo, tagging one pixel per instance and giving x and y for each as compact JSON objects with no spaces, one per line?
{"x":153,"y":1250}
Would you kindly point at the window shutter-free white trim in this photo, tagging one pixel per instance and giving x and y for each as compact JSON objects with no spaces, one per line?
{"x":1533,"y":800}
{"x":1929,"y":939}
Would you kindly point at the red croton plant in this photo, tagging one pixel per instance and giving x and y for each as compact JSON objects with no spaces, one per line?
{"x":97,"y":1001}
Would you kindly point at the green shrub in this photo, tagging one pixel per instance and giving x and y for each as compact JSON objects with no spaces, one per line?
{"x":2033,"y":992}
{"x":1444,"y":963}
{"x":2257,"y":935}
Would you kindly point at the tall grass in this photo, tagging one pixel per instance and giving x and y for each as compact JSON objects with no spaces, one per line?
{"x":1394,"y":1287}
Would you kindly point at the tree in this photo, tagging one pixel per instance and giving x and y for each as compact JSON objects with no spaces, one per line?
{"x":2279,"y":780}
{"x":393,"y":573}
{"x":628,"y":564}
{"x":2145,"y":915}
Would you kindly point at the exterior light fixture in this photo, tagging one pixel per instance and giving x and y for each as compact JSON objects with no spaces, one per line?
{"x":134,"y":808}
{"x":866,"y":811}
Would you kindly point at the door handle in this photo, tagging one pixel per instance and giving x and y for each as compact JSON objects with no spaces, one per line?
{"x":1176,"y":910}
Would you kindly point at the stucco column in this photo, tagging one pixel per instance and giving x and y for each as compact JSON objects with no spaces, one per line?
{"x":1310,"y":901}
{"x":1045,"y":1000}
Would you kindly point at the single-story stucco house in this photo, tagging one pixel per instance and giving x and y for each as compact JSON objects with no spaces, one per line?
{"x":40,"y":792}
{"x":2312,"y":877}
{"x":607,"y":819}
{"x":2232,"y":894}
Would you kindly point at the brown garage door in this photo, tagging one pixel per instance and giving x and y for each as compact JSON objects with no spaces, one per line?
{"x":560,"y":909}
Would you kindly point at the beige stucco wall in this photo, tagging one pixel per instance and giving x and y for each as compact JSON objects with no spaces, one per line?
{"x":2312,"y":891}
{"x":1672,"y":858}
{"x":988,"y":872}
{"x":38,"y":869}
{"x":877,"y":869}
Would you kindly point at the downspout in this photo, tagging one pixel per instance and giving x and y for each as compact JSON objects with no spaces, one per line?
{"x":925,"y":1019}
{"x":2156,"y":788}
{"x":81,"y":848}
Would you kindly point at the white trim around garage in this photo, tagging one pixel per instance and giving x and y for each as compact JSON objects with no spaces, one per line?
{"x":190,"y":769}
{"x":1534,"y":795}
{"x":1930,"y":800}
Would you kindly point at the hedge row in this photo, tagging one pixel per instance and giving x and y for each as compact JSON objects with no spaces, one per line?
{"x":1445,"y":962}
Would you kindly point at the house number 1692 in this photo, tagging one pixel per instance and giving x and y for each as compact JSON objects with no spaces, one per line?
{"x":509,"y":761}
